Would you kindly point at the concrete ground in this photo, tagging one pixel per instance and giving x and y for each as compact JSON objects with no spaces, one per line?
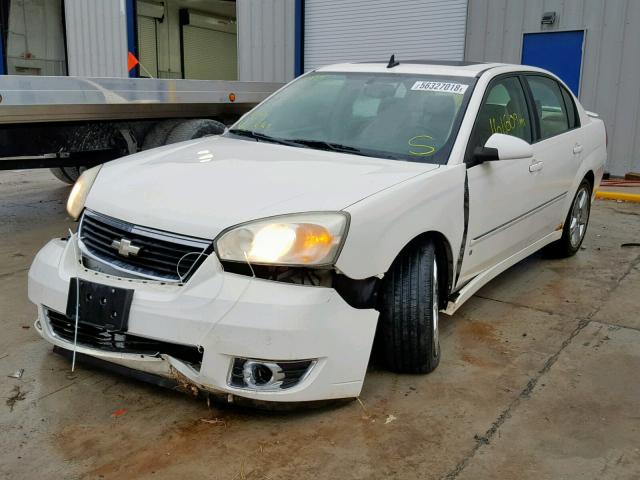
{"x":539,"y":380}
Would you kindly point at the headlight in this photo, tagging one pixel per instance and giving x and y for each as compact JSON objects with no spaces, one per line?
{"x":80,"y":190}
{"x":299,"y":239}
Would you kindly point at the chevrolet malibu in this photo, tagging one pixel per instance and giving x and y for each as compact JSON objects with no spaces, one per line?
{"x":360,"y":201}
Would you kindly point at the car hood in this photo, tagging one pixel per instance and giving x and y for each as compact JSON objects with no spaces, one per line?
{"x":201,"y":187}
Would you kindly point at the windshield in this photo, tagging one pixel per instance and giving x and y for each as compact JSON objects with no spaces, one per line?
{"x":397,"y":116}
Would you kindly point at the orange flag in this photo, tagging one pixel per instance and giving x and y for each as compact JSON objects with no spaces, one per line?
{"x":132,"y":61}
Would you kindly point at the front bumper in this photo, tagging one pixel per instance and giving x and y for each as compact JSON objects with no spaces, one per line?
{"x":228,"y":316}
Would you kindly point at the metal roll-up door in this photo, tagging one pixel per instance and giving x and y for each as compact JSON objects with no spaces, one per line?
{"x":338,"y":31}
{"x":209,"y":54}
{"x":147,"y":46}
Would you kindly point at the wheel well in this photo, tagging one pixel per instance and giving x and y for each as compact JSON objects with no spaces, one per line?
{"x":591,"y":178}
{"x":445,"y":260}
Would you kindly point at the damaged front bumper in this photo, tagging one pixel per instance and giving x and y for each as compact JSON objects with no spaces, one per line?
{"x":316,"y":343}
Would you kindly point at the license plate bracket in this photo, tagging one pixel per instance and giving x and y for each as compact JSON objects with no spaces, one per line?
{"x":100,"y":306}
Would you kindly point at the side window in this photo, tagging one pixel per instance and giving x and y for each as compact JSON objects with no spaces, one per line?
{"x":574,"y":118}
{"x":550,"y":106}
{"x":504,"y":110}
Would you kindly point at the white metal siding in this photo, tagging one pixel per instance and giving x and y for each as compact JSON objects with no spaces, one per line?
{"x":209,"y":54}
{"x":96,"y":38}
{"x":266,"y":43}
{"x":611,"y":61}
{"x":338,"y":31}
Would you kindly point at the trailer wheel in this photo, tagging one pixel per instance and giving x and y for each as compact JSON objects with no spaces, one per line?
{"x":158,"y":134}
{"x":192,"y":129}
{"x":67,"y":174}
{"x":85,"y":139}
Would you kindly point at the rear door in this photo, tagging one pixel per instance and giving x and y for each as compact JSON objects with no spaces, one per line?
{"x":505,"y":195}
{"x":558,"y":146}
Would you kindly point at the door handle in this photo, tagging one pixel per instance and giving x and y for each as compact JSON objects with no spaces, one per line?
{"x":577,"y":148}
{"x":536,"y":166}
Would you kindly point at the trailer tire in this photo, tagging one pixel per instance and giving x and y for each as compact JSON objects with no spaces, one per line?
{"x":192,"y":129}
{"x":158,"y":134}
{"x":67,"y":174}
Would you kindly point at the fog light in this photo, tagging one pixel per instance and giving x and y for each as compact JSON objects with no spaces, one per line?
{"x":268,"y":375}
{"x":262,"y":374}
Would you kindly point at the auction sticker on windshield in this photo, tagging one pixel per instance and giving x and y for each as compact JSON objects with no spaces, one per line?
{"x":444,"y":87}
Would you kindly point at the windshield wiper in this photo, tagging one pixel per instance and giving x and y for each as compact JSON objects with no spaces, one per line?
{"x":261,"y":137}
{"x":337,"y":147}
{"x":304,"y":143}
{"x":316,"y":144}
{"x":322,"y":145}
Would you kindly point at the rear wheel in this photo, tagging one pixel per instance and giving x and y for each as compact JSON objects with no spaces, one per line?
{"x":409,"y":331}
{"x":575,"y":225}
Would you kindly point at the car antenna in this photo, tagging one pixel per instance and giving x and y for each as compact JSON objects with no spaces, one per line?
{"x":392,"y":62}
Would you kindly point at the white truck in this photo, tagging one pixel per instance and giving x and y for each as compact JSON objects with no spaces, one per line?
{"x":71,"y":123}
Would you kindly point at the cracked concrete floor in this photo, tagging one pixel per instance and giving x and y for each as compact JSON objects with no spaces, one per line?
{"x":539,"y":379}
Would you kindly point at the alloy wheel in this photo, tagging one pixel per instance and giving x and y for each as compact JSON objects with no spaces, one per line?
{"x":579,"y":217}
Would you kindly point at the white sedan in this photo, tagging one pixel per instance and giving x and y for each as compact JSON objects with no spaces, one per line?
{"x":359,"y":201}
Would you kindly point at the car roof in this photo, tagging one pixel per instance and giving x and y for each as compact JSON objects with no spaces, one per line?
{"x":424,"y":67}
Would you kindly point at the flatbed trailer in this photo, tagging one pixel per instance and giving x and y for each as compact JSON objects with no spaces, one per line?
{"x":70,"y":123}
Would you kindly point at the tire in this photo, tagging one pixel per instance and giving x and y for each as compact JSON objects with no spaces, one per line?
{"x":192,"y":129}
{"x":409,"y":334}
{"x":67,"y":174}
{"x":157,"y":136}
{"x":575,"y":224}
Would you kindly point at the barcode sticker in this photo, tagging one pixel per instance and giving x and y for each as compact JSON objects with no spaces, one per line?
{"x":444,"y":87}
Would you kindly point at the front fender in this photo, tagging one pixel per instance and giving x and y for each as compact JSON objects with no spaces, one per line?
{"x":381,"y":225}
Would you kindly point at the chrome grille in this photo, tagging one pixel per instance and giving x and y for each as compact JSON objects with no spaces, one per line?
{"x":155,"y":254}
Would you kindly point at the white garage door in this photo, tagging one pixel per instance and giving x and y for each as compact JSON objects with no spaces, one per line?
{"x":360,"y":30}
{"x":209,"y":54}
{"x":148,"y":46}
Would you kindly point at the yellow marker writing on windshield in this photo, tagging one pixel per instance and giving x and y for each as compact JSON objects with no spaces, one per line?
{"x":428,"y":149}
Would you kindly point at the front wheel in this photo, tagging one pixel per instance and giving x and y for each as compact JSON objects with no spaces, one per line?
{"x":575,"y":225}
{"x":409,"y":311}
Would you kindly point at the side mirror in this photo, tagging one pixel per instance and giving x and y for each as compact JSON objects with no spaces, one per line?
{"x":509,"y":147}
{"x":502,"y":147}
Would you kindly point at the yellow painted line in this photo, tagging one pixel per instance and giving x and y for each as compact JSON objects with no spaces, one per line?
{"x":626,"y":197}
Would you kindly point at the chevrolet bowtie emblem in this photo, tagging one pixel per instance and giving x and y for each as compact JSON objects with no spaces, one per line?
{"x":124,"y":247}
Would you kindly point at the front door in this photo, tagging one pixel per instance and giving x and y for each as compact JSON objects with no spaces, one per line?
{"x":503,"y":195}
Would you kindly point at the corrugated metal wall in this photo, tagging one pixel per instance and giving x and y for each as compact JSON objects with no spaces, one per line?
{"x":266,"y":43}
{"x":338,"y":31}
{"x":96,"y":38}
{"x":611,"y":65}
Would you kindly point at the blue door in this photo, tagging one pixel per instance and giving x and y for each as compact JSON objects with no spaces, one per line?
{"x":558,"y":52}
{"x":1,"y":55}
